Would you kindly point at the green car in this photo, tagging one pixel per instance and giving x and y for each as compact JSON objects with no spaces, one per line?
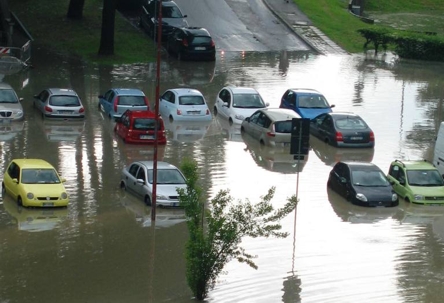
{"x":417,"y":182}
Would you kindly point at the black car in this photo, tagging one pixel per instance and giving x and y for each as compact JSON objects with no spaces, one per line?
{"x":191,"y":43}
{"x":172,"y":17}
{"x":342,"y":130}
{"x":362,"y":183}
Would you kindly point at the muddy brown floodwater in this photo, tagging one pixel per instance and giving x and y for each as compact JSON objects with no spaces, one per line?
{"x":105,"y":248}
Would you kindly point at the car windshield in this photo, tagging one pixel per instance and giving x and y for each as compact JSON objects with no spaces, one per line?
{"x":8,"y":96}
{"x":312,"y":101}
{"x":369,"y":178}
{"x":248,"y":101}
{"x":283,"y":127}
{"x":39,"y":176}
{"x":424,"y":178}
{"x":350,"y":123}
{"x":131,"y":100}
{"x":64,"y":101}
{"x":171,"y":12}
{"x":145,"y":124}
{"x":191,"y":100}
{"x":166,"y":176}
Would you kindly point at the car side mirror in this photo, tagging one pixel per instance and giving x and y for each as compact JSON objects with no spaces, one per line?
{"x":343,"y":180}
{"x":15,"y":180}
{"x":21,"y":99}
{"x":332,"y":105}
{"x":118,"y":119}
{"x":63,"y":180}
{"x":247,"y":119}
{"x":392,"y":182}
{"x":101,"y":96}
{"x":225,"y":104}
{"x":140,"y":181}
{"x":267,"y":104}
{"x":185,"y":16}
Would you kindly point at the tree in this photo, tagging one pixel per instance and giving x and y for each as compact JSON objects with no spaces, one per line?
{"x":215,"y":233}
{"x":107,"y":35}
{"x":75,"y":9}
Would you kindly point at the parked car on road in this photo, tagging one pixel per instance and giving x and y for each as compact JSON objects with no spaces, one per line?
{"x":63,"y":103}
{"x":270,"y":126}
{"x":184,"y":104}
{"x":140,"y":127}
{"x":362,"y":183}
{"x":138,"y":178}
{"x":118,"y":100}
{"x":34,"y":182}
{"x":417,"y":182}
{"x":10,"y":104}
{"x":172,"y":17}
{"x":342,"y":130}
{"x":191,"y":43}
{"x":308,"y":103}
{"x":237,"y":103}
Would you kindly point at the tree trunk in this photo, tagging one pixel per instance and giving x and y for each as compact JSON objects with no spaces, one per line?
{"x":108,"y":19}
{"x":75,"y":9}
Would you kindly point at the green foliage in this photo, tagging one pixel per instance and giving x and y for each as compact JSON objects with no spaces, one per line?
{"x":216,"y":232}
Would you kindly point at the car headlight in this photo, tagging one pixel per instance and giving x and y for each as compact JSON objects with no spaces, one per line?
{"x":19,"y":113}
{"x":239,"y":117}
{"x":64,"y":195}
{"x":30,"y":196}
{"x":161,"y":197}
{"x":361,"y":197}
{"x":394,"y":197}
{"x":418,"y":197}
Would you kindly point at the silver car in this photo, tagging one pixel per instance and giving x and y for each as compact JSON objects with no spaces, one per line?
{"x":270,"y":126}
{"x":59,"y":103}
{"x":10,"y":107}
{"x":138,"y":178}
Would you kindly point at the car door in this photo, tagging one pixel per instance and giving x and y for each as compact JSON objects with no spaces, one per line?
{"x":398,"y":174}
{"x":106,"y":101}
{"x":167,"y":103}
{"x":315,"y":126}
{"x":13,"y":172}
{"x":131,"y":177}
{"x":288,"y":100}
{"x":174,"y":41}
{"x":40,"y":100}
{"x":251,"y":126}
{"x":335,"y":176}
{"x":140,"y":185}
{"x":225,"y":97}
{"x":326,"y":129}
{"x":123,"y":126}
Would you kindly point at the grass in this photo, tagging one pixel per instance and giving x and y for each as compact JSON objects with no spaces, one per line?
{"x":47,"y":23}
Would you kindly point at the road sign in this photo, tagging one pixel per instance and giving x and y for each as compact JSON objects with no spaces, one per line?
{"x":300,"y":136}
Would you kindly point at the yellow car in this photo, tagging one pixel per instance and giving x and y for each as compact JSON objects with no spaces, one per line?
{"x":35,"y":183}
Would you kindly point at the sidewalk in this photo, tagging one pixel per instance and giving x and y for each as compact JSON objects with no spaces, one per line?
{"x":290,"y":15}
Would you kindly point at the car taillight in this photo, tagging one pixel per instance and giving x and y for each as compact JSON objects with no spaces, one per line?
{"x":339,"y":137}
{"x":212,"y":43}
{"x":116,"y":101}
{"x":48,"y":109}
{"x":147,"y":103}
{"x":372,"y":136}
{"x":179,"y":112}
{"x":81,"y":110}
{"x":185,"y":42}
{"x":271,"y":134}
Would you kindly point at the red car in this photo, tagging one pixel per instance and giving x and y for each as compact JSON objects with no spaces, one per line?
{"x":139,"y":127}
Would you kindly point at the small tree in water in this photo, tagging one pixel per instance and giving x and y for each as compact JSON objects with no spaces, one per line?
{"x":216,"y":232}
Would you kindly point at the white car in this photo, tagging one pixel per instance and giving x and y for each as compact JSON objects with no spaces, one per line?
{"x":138,"y":178}
{"x":10,"y":105}
{"x":237,"y":103}
{"x":184,"y":104}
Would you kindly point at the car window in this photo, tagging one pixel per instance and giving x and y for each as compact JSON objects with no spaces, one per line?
{"x":397,"y":173}
{"x":141,"y":174}
{"x":131,"y":100}
{"x":339,"y":169}
{"x":169,"y":96}
{"x":225,"y":96}
{"x":43,"y":96}
{"x":133,"y":170}
{"x":424,"y":178}
{"x":8,"y":96}
{"x":350,"y":123}
{"x":254,"y":117}
{"x":283,"y":127}
{"x":144,"y":124}
{"x":126,"y":121}
{"x":171,"y":12}
{"x":14,"y":171}
{"x":201,"y":40}
{"x":327,"y":122}
{"x":191,"y":100}
{"x":248,"y":101}
{"x":291,"y":98}
{"x":64,"y":101}
{"x":109,"y":95}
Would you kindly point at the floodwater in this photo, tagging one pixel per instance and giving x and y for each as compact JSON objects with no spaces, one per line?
{"x":105,"y":248}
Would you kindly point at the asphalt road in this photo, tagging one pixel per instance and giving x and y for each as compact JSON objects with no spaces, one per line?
{"x":241,"y":25}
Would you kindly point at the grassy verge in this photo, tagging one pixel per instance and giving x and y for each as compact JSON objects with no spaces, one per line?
{"x":47,"y":23}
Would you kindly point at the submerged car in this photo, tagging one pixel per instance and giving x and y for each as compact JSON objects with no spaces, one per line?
{"x":270,"y":126}
{"x":417,"y":182}
{"x":34,"y":182}
{"x":140,"y":127}
{"x":342,"y":130}
{"x":362,"y":183}
{"x":191,"y":43}
{"x":10,"y":105}
{"x":118,"y":100}
{"x":184,"y":104}
{"x":138,"y":178}
{"x":308,"y":103}
{"x":237,"y":103}
{"x":59,"y":103}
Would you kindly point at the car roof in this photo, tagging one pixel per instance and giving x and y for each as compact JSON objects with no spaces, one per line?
{"x":4,"y":85}
{"x":356,"y":164}
{"x":196,"y":31}
{"x":142,"y":114}
{"x":32,"y":163}
{"x":186,"y":91}
{"x":242,"y":90}
{"x":280,"y":114}
{"x":343,"y":115}
{"x":160,"y":164}
{"x":129,"y":92}
{"x":415,"y":164}
{"x":62,"y":91}
{"x":305,"y":90}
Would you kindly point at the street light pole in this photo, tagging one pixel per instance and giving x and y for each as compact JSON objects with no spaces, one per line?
{"x":159,"y":48}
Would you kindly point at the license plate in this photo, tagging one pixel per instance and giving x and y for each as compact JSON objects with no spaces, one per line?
{"x":200,"y":48}
{"x":146,"y":137}
{"x":194,"y":113}
{"x":355,"y":138}
{"x":286,"y":143}
{"x":65,"y":112}
{"x":5,"y":121}
{"x":48,"y":204}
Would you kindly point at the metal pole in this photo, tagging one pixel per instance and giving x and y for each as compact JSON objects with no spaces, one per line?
{"x":159,"y":48}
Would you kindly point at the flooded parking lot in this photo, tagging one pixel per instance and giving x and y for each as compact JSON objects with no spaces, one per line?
{"x":104,"y":246}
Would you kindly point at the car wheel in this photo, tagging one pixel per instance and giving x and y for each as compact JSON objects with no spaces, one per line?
{"x":109,"y":116}
{"x":147,"y":200}
{"x":230,"y":121}
{"x":215,"y":111}
{"x":3,"y":190}
{"x":122,"y":185}
{"x":262,"y":143}
{"x":99,"y":107}
{"x":19,"y":201}
{"x":407,"y":199}
{"x":171,"y":119}
{"x":179,"y":56}
{"x":242,"y":130}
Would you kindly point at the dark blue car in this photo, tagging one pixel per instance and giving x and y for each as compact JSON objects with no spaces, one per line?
{"x":308,"y":103}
